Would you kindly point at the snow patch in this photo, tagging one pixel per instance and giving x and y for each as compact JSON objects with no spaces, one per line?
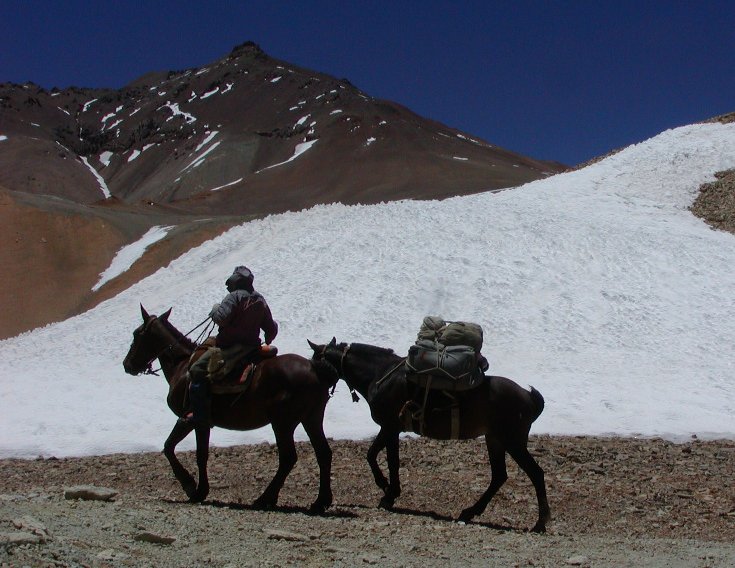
{"x":105,"y":158}
{"x":300,"y":149}
{"x":176,"y":111}
{"x":100,"y":179}
{"x":226,"y":185}
{"x":207,"y":140}
{"x":126,"y":256}
{"x":199,"y":160}
{"x":210,"y":93}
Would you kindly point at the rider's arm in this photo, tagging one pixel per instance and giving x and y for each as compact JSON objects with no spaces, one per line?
{"x":268,"y":325}
{"x":223,"y":311}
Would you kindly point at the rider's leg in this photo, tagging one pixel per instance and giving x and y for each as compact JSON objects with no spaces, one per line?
{"x":200,"y":392}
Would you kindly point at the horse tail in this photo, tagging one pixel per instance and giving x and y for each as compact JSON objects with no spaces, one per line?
{"x":538,"y":403}
{"x":326,"y":373}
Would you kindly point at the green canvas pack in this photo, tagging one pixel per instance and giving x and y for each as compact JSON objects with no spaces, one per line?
{"x":451,"y":333}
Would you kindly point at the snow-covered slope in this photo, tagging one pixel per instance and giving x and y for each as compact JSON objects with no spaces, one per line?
{"x":598,"y":287}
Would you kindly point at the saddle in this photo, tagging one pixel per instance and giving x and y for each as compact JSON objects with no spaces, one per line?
{"x":239,"y":380}
{"x":427,"y":404}
{"x":231,"y":374}
{"x":438,"y":373}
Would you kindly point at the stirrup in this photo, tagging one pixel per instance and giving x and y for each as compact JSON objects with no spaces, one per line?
{"x":246,"y":374}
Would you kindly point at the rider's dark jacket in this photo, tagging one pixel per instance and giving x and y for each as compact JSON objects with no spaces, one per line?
{"x":243,"y":313}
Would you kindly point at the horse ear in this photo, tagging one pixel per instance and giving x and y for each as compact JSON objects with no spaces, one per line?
{"x":164,"y":315}
{"x":314,"y":346}
{"x":333,"y":342}
{"x":144,"y":313}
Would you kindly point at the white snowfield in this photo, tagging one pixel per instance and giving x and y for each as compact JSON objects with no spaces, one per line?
{"x":598,"y":287}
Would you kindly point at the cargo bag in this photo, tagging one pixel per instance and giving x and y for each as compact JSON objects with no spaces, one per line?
{"x":433,"y":365}
{"x":451,"y":333}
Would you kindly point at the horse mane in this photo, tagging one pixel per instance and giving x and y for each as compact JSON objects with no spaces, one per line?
{"x":180,"y":337}
{"x":370,"y":350}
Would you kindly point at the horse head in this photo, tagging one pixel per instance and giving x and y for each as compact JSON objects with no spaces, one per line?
{"x":332,"y":353}
{"x":358,"y":364}
{"x":148,"y":343}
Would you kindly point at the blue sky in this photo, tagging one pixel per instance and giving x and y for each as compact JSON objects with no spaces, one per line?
{"x":565,"y":80}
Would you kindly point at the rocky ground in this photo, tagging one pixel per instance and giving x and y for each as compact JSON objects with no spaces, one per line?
{"x":715,"y":202}
{"x":615,"y":502}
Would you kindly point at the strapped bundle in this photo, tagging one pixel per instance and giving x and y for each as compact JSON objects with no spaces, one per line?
{"x":445,"y":355}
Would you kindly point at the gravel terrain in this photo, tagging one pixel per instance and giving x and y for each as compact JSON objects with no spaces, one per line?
{"x":614,"y":501}
{"x":715,"y":202}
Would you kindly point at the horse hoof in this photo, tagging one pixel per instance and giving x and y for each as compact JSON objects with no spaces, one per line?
{"x":539,"y":528}
{"x":466,"y":516}
{"x":386,"y":503}
{"x":263,"y":504}
{"x":199,"y":495}
{"x":320,"y":506}
{"x":316,"y":510}
{"x":190,"y":488}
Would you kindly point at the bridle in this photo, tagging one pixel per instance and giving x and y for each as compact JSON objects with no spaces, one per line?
{"x":341,"y":370}
{"x":149,"y":366}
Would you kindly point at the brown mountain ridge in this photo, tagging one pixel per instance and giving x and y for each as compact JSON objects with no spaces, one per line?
{"x":85,"y":171}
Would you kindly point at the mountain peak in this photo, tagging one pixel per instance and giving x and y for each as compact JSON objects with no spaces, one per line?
{"x":247,"y":49}
{"x":245,"y":134}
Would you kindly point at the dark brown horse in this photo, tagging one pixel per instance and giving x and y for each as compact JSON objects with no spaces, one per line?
{"x":499,"y":409}
{"x":285,"y":391}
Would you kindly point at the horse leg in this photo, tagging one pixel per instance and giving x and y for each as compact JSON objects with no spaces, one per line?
{"x":180,"y":431}
{"x":498,"y":476}
{"x":393,"y":491}
{"x":314,"y":428}
{"x":287,"y":458}
{"x":202,"y":490}
{"x":534,"y":472}
{"x":372,"y":457}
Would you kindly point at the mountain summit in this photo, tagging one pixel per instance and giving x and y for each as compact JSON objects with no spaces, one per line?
{"x":246,"y":134}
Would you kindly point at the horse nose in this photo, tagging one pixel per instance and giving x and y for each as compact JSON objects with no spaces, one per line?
{"x":127,"y":367}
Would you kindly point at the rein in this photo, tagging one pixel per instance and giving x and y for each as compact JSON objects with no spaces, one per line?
{"x":207,"y":330}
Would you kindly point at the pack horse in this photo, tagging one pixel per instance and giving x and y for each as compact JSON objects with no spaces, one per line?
{"x":285,"y":391}
{"x":496,"y":408}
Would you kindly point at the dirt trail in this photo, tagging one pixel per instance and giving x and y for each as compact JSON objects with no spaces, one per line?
{"x":615,"y":502}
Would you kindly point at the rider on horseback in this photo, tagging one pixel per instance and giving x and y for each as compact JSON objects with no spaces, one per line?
{"x":241,"y":315}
